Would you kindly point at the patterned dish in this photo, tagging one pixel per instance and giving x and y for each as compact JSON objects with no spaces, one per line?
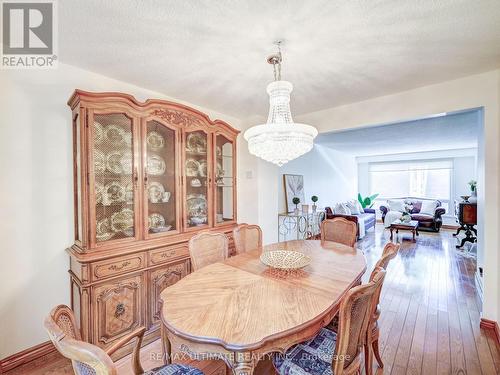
{"x":192,"y":167}
{"x":220,"y":171}
{"x":203,"y":169}
{"x":98,"y":133}
{"x":155,"y":140}
{"x":156,"y":165}
{"x":103,"y":230}
{"x":122,"y":220}
{"x":197,"y":208}
{"x":99,"y":192}
{"x":99,"y":162}
{"x":285,"y":260}
{"x":119,"y":162}
{"x":156,"y":221}
{"x":114,"y":192}
{"x":196,"y":142}
{"x":115,"y":135}
{"x":155,"y":192}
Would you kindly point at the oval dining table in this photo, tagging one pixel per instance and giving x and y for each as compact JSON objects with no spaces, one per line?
{"x":239,"y":310}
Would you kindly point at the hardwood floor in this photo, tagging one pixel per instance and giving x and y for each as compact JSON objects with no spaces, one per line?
{"x":430,"y":313}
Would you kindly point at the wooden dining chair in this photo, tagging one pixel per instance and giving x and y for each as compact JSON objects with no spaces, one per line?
{"x":339,"y":352}
{"x":373,"y":332}
{"x":206,"y":248}
{"x":247,"y":237}
{"x":339,"y":230}
{"x":89,"y":359}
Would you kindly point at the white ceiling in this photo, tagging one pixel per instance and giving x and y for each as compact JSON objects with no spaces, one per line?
{"x":444,"y":132}
{"x":213,"y":53}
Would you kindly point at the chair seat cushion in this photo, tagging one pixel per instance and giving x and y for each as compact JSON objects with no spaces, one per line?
{"x":175,"y":369}
{"x":422,"y":217}
{"x":310,"y":357}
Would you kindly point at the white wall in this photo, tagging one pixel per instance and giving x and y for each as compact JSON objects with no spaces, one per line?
{"x":477,"y":91}
{"x":329,"y":174}
{"x":36,"y":222}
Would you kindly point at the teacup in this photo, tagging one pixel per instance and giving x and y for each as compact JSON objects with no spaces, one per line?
{"x":166,"y":196}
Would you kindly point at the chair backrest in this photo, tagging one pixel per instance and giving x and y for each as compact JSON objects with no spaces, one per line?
{"x":389,"y":252}
{"x":247,"y":237}
{"x":339,"y":230}
{"x":354,"y":316}
{"x":87,"y":359}
{"x":206,"y":248}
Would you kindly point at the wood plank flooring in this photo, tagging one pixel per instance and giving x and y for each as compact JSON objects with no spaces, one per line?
{"x":430,"y":313}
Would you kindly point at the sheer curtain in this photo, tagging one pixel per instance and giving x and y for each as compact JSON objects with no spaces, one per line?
{"x":422,"y":179}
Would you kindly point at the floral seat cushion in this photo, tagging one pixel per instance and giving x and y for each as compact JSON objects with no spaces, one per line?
{"x":310,"y":357}
{"x":175,"y":369}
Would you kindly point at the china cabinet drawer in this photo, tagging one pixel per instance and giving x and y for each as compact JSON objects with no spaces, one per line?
{"x":166,"y":254}
{"x":159,"y":279}
{"x":117,"y":309}
{"x":108,"y":268}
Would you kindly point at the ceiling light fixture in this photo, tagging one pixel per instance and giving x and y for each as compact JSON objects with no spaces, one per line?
{"x":280,"y":139}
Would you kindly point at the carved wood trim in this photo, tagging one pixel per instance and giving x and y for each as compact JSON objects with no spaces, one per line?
{"x":492,"y":326}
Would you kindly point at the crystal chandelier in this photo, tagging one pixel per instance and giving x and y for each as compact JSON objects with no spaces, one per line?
{"x":280,"y":139}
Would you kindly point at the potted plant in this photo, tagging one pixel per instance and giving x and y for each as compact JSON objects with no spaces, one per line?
{"x":367,"y":202}
{"x":296,"y":201}
{"x":473,"y":191}
{"x":314,"y":199}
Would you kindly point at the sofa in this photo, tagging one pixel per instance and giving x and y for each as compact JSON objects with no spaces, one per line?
{"x":425,"y":221}
{"x":368,"y":217}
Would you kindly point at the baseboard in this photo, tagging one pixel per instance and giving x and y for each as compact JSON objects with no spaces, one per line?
{"x":491,"y":325}
{"x":33,"y":356}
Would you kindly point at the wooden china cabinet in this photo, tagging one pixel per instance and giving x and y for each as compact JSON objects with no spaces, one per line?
{"x":147,"y":176}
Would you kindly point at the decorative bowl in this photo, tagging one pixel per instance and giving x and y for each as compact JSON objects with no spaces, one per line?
{"x":160,"y":229}
{"x":465,"y":197}
{"x":285,"y":260}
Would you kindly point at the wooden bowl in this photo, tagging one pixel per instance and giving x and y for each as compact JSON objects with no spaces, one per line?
{"x":285,"y":260}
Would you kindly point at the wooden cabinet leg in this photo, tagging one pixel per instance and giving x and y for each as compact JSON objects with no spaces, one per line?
{"x":165,"y":346}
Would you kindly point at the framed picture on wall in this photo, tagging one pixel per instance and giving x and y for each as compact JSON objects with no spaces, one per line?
{"x":294,"y":187}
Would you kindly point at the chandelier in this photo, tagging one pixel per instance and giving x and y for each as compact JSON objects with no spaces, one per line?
{"x":280,"y":139}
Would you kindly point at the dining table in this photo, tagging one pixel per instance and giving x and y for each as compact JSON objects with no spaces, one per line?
{"x":240,"y":310}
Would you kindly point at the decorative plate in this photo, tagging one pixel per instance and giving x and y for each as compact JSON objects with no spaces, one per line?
{"x":98,"y":133}
{"x":129,"y":193}
{"x":219,"y":151}
{"x":197,"y":205}
{"x":127,"y":137}
{"x":155,"y":140}
{"x":285,"y":260}
{"x":220,"y":171}
{"x":195,"y":182}
{"x":155,"y":192}
{"x":196,"y":142}
{"x":126,"y":161}
{"x":99,"y":191}
{"x":192,"y":167}
{"x":99,"y":162}
{"x":203,"y":169}
{"x":114,"y":162}
{"x":115,"y":135}
{"x":103,"y":230}
{"x":122,"y":220}
{"x":156,"y":165}
{"x":156,"y":221}
{"x":114,"y":192}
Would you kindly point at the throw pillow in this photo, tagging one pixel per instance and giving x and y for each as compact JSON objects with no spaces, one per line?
{"x":396,"y":205}
{"x":428,"y":207}
{"x":353,"y":207}
{"x":360,"y":207}
{"x":342,"y":209}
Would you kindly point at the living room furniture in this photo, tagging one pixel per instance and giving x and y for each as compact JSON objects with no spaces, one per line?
{"x":91,"y":359}
{"x":148,"y":176}
{"x":425,"y":221}
{"x":411,"y":226}
{"x":368,"y":216}
{"x":247,"y":237}
{"x":339,"y":230}
{"x":339,"y":352}
{"x":467,"y":218}
{"x":261,"y":313}
{"x":299,"y":226}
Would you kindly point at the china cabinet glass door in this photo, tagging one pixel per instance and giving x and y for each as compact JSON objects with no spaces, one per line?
{"x":224,"y":179}
{"x":160,"y":179}
{"x":197,"y":180}
{"x":114,"y":177}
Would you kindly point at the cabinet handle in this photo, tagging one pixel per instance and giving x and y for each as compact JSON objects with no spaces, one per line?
{"x":135,"y":177}
{"x":146,"y":176}
{"x":120,"y":310}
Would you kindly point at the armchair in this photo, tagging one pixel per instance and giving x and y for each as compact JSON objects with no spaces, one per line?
{"x":425,"y":222}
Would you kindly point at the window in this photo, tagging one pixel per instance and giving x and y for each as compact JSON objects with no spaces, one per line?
{"x":421,"y":179}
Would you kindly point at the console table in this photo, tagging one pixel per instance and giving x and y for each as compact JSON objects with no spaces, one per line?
{"x":299,"y":226}
{"x":467,"y":218}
